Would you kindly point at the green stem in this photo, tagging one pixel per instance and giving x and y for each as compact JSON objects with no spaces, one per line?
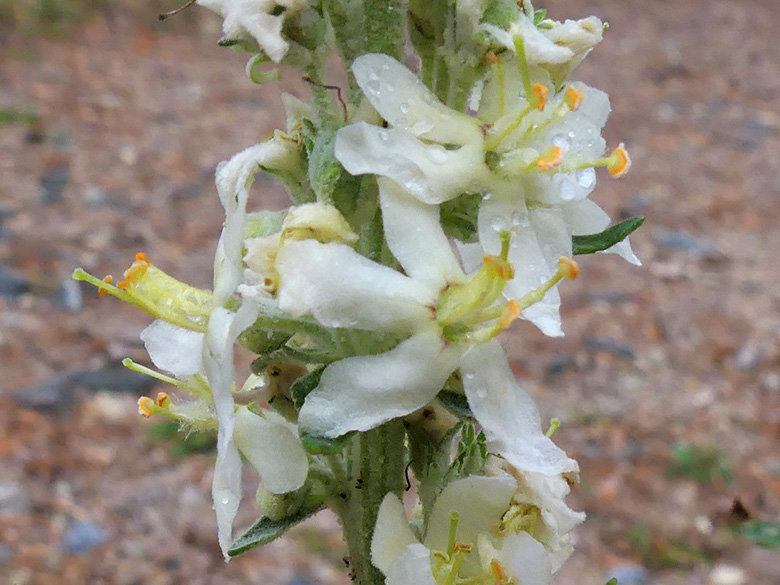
{"x":383,"y":27}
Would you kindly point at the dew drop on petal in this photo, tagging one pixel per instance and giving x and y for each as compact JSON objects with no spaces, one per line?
{"x":586,"y":178}
{"x":561,"y":141}
{"x":498,"y":224}
{"x":404,"y":107}
{"x":487,"y":196}
{"x":374,"y":87}
{"x":384,"y":136}
{"x":517,"y":218}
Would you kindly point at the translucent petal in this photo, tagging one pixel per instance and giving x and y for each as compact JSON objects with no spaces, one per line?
{"x":415,"y":237}
{"x":226,"y":493}
{"x":362,"y":392}
{"x":392,"y":533}
{"x":273,"y":449}
{"x":508,"y":414}
{"x":174,"y":349}
{"x":341,"y":288}
{"x":526,"y":560}
{"x":412,"y":567}
{"x":403,"y":100}
{"x":480,"y":503}
{"x":430,"y":172}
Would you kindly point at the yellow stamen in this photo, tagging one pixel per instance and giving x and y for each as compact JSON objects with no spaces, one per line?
{"x":163,"y":400}
{"x":511,"y":312}
{"x":136,"y":271}
{"x":540,"y":92}
{"x":499,"y":267}
{"x":550,"y":159}
{"x":108,"y":280}
{"x":619,"y":162}
{"x":145,"y":406}
{"x":568,"y":268}
{"x":573,"y":98}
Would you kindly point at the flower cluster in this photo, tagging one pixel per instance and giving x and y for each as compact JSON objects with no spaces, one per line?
{"x":423,"y":225}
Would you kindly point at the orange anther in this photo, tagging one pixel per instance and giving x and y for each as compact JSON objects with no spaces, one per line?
{"x":550,"y":159}
{"x":141,"y":257}
{"x":540,"y":91}
{"x":491,"y":58}
{"x":511,"y":312}
{"x":498,"y":571}
{"x":163,"y":400}
{"x":108,"y":280}
{"x":568,"y":268}
{"x":619,"y":162}
{"x":136,"y":271}
{"x":123,"y":284}
{"x":145,"y":406}
{"x":573,"y":98}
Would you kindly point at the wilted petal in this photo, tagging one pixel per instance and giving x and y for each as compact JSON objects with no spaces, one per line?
{"x":362,"y":392}
{"x":392,"y":533}
{"x":174,"y":349}
{"x":415,"y":237}
{"x":508,"y":414}
{"x":586,"y":217}
{"x":480,"y":503}
{"x":341,"y":288}
{"x":273,"y":450}
{"x":412,"y":567}
{"x":526,"y":560}
{"x":430,"y":172}
{"x":402,"y":99}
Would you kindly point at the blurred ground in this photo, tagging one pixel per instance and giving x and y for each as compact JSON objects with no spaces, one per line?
{"x":667,"y":383}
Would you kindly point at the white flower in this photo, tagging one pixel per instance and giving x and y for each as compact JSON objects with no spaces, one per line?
{"x":534,"y":160}
{"x":254,"y":19}
{"x":450,"y":320}
{"x":459,"y":542}
{"x":268,"y":442}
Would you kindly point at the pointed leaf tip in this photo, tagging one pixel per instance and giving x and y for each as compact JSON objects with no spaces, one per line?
{"x":593,"y":243}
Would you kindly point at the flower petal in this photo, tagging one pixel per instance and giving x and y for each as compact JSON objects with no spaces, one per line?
{"x":539,"y":49}
{"x":392,"y":533}
{"x":430,"y":172}
{"x":526,"y":560}
{"x":341,"y":288}
{"x":226,"y":493}
{"x":174,"y":349}
{"x":402,"y":99}
{"x":415,"y":237}
{"x":508,"y":414}
{"x":273,"y":449}
{"x":362,"y":392}
{"x":480,"y":503}
{"x":412,"y":567}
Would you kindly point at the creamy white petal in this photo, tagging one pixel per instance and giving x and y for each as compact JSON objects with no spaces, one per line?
{"x":415,"y":237}
{"x":402,"y":99}
{"x":226,"y":494}
{"x":273,"y":449}
{"x":412,"y":567}
{"x":538,"y":48}
{"x":392,"y":533}
{"x":430,"y":172}
{"x":174,"y":349}
{"x":362,"y":392}
{"x":526,"y":560}
{"x":586,"y":217}
{"x":480,"y":503}
{"x":508,"y":414}
{"x":471,"y":255}
{"x":341,"y":288}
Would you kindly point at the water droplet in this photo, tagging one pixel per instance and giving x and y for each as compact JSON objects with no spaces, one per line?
{"x":498,"y":224}
{"x":586,"y":178}
{"x":389,"y":87}
{"x":404,"y":107}
{"x":568,"y":190}
{"x":383,"y":135}
{"x":373,"y":74}
{"x":437,"y":154}
{"x":571,"y":134}
{"x":487,"y":196}
{"x":517,"y":218}
{"x":225,"y":501}
{"x":561,"y":141}
{"x":374,"y":87}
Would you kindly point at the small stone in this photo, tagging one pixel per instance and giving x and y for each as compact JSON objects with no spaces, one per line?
{"x":53,"y":183}
{"x":113,"y":378}
{"x":628,"y":574}
{"x":726,"y":575}
{"x":748,"y":357}
{"x":611,"y":346}
{"x":13,"y":500}
{"x":82,"y":537}
{"x":6,"y":554}
{"x":771,"y":382}
{"x":55,"y":395}
{"x":12,"y":283}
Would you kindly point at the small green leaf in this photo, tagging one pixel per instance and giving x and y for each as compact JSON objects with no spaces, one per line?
{"x":304,"y":385}
{"x":266,"y":530}
{"x":612,"y":581}
{"x":765,"y":534}
{"x":459,"y":217}
{"x":456,"y":404}
{"x":322,"y":445}
{"x":593,"y":243}
{"x":539,"y":16}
